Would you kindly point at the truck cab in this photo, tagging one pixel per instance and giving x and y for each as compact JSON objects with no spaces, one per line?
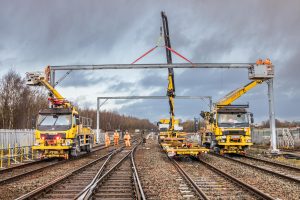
{"x":232,"y":132}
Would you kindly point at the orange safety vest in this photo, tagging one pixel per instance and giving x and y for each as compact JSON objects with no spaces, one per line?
{"x":107,"y":137}
{"x":116,"y":135}
{"x":127,"y":137}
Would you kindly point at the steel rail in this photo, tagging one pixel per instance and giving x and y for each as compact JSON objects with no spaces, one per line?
{"x":198,"y":190}
{"x":273,"y":163}
{"x":13,"y":178}
{"x":139,"y":188}
{"x":87,"y":194}
{"x":151,"y":66}
{"x":32,"y":162}
{"x":246,"y":186}
{"x":44,"y":188}
{"x":261,"y":169}
{"x":100,"y":171}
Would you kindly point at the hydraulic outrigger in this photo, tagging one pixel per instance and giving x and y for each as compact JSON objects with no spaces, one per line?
{"x":175,"y":142}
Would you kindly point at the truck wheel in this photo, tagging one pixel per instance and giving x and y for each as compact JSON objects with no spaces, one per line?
{"x":75,"y":149}
{"x":217,"y":150}
{"x":89,"y":147}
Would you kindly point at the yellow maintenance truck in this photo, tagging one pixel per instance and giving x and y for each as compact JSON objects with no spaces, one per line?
{"x":60,"y":131}
{"x":228,"y":126}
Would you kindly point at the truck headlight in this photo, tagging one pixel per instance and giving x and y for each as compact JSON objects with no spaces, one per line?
{"x":249,"y":140}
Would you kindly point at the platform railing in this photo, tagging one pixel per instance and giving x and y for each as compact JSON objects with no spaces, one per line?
{"x":15,"y":154}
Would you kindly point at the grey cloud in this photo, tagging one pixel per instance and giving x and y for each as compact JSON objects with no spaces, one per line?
{"x":80,"y":79}
{"x":154,"y":79}
{"x":38,"y":33}
{"x":121,"y":86}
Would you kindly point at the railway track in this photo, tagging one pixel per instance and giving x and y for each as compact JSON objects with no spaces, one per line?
{"x":267,"y":182}
{"x":69,"y":185}
{"x":281,"y":170}
{"x":120,"y":180}
{"x":74,"y":183}
{"x":212,"y":183}
{"x":14,"y":173}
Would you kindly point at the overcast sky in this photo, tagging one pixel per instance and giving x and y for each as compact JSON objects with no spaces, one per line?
{"x":36,"y":33}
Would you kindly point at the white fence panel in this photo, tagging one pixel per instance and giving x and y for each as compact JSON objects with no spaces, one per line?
{"x":262,"y":136}
{"x":23,"y":137}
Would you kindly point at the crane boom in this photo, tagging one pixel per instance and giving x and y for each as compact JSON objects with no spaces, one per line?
{"x":171,"y":85}
{"x":235,"y":94}
{"x":38,"y":79}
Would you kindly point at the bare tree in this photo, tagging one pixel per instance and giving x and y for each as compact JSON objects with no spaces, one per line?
{"x":18,"y":102}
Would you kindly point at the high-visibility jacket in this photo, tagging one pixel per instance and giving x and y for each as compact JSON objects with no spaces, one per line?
{"x":127,"y":137}
{"x":107,"y":137}
{"x":116,"y":135}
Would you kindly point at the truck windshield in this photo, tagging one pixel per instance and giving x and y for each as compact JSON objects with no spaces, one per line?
{"x":233,"y":119}
{"x":54,"y":122}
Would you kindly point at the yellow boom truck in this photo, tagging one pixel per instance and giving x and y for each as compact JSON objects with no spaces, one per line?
{"x":228,"y":127}
{"x":174,"y":142}
{"x":60,"y":131}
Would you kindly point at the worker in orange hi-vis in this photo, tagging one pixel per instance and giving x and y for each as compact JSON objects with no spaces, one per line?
{"x":107,"y":140}
{"x":267,"y":61}
{"x":127,"y":139}
{"x":116,"y":138}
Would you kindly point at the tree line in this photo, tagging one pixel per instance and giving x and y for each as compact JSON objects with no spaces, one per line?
{"x":280,"y":124}
{"x":20,"y":104}
{"x":113,"y":120}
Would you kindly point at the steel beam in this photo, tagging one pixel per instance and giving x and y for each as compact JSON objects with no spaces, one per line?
{"x":155,"y":97}
{"x":152,"y":66}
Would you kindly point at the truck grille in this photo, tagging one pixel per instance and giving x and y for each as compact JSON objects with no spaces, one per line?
{"x":53,"y":136}
{"x":239,"y":132}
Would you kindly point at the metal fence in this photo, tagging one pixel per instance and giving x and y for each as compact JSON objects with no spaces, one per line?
{"x":263,"y":136}
{"x":24,"y":137}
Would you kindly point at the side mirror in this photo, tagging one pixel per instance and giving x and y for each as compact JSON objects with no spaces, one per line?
{"x":251,"y":118}
{"x":77,"y":121}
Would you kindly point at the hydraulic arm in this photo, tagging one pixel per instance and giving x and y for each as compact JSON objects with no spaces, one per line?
{"x":171,"y":85}
{"x":38,"y":79}
{"x":235,"y":94}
